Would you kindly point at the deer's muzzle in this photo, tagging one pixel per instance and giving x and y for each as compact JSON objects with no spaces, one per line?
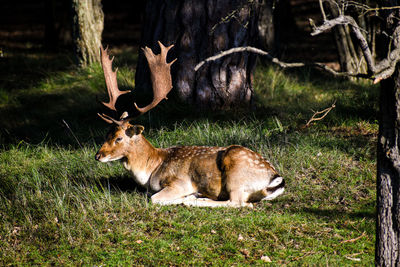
{"x":98,"y":156}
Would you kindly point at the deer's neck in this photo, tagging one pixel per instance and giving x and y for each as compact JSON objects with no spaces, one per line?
{"x":143,"y":160}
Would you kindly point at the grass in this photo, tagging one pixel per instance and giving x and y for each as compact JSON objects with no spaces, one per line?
{"x":60,"y":207}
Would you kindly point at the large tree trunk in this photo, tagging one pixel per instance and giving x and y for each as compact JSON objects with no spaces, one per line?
{"x":200,"y":29}
{"x":388,"y":178}
{"x":388,"y":164}
{"x":87,"y":27}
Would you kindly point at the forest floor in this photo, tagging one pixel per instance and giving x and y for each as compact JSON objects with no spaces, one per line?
{"x":58,"y":206}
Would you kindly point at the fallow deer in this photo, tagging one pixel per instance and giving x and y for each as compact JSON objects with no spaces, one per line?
{"x":191,"y":175}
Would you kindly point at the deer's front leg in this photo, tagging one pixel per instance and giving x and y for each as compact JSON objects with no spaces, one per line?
{"x":171,"y":195}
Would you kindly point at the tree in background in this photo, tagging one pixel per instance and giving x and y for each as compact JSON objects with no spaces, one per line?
{"x":388,"y":164}
{"x":275,"y":16}
{"x":200,"y":29}
{"x":57,"y":24}
{"x":350,"y":55}
{"x":50,"y":34}
{"x":87,"y":28}
{"x":267,"y":30}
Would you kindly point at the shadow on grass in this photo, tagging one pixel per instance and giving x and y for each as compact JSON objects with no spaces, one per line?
{"x":43,"y":93}
{"x":45,"y":98}
{"x":305,"y":90}
{"x":121,"y":183}
{"x":25,"y":67}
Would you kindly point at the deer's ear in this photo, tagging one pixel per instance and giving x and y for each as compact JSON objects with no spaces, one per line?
{"x":134,"y":130}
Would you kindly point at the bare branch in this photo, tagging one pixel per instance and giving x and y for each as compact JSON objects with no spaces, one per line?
{"x":231,"y":51}
{"x":377,"y":72}
{"x":344,"y":20}
{"x":386,"y":67}
{"x":249,"y":49}
{"x":366,"y":8}
{"x":275,"y":60}
{"x":380,"y":71}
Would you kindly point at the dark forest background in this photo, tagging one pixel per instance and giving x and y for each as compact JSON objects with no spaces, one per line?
{"x":45,"y":24}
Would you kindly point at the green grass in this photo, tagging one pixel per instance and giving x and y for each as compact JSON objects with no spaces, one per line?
{"x":58,"y":206}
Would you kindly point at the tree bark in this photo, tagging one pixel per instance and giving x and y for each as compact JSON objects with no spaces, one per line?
{"x":87,"y":27}
{"x":388,"y":175}
{"x":388,"y":164}
{"x":200,"y":29}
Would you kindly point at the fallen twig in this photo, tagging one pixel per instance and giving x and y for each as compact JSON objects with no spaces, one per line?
{"x":304,"y":255}
{"x":353,"y":240}
{"x":317,"y":113}
{"x":352,"y":259}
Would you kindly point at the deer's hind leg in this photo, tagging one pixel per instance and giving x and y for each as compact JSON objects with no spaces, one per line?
{"x":245,"y":174}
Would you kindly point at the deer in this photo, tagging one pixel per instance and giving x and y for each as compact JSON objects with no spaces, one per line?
{"x":232,"y":176}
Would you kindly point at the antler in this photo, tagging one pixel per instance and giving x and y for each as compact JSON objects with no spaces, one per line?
{"x":160,"y":78}
{"x":110,"y":77}
{"x":160,"y":75}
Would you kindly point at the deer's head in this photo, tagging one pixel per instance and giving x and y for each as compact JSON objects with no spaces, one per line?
{"x":120,"y":141}
{"x":124,"y":136}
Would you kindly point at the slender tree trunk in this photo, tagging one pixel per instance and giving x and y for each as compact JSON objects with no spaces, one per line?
{"x":50,"y":32}
{"x":349,"y":59}
{"x":274,"y":23}
{"x":266,"y":27}
{"x":388,"y":164}
{"x":87,"y":27}
{"x":200,"y":29}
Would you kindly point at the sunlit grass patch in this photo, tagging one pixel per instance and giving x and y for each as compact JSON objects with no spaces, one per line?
{"x":58,"y":206}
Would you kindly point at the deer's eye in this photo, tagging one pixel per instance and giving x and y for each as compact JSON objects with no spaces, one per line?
{"x":119,"y":139}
